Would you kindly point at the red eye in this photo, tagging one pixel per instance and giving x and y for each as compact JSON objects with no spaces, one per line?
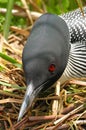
{"x":52,"y":67}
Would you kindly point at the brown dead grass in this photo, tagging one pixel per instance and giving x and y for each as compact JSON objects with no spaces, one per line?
{"x":62,"y":107}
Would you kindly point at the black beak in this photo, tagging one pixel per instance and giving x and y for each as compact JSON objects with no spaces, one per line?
{"x":30,"y":95}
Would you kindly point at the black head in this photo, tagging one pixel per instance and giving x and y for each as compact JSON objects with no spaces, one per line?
{"x":45,"y":56}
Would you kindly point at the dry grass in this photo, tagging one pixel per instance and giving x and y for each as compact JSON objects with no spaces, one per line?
{"x":62,"y":107}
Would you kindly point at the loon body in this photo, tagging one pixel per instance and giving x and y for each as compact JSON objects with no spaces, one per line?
{"x":55,"y":50}
{"x":76,"y":66}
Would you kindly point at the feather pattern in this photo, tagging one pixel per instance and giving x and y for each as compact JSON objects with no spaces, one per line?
{"x":76,"y":66}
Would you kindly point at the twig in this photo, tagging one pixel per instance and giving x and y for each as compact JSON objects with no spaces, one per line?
{"x":10,"y":94}
{"x":23,"y":121}
{"x":12,"y":48}
{"x":78,"y":82}
{"x":43,"y":126}
{"x":80,"y":122}
{"x":15,"y":12}
{"x":55,"y":102}
{"x":35,"y":6}
{"x":9,"y":100}
{"x":48,"y":98}
{"x":20,"y":31}
{"x":68,"y":109}
{"x":59,"y":121}
{"x":79,"y":2}
{"x":38,"y":118}
{"x":27,"y":10}
{"x":62,"y":127}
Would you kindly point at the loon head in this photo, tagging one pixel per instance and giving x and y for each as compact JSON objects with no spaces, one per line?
{"x":45,"y":56}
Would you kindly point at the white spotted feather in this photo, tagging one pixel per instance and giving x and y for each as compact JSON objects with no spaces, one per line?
{"x":76,"y":66}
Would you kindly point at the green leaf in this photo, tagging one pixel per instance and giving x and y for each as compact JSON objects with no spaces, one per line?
{"x":65,"y":3}
{"x":59,"y":10}
{"x":12,"y":86}
{"x":8,"y":18}
{"x":10,"y":59}
{"x":1,"y":68}
{"x":3,"y":1}
{"x":73,"y":5}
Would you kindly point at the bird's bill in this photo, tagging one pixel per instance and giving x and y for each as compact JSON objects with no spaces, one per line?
{"x":30,"y":94}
